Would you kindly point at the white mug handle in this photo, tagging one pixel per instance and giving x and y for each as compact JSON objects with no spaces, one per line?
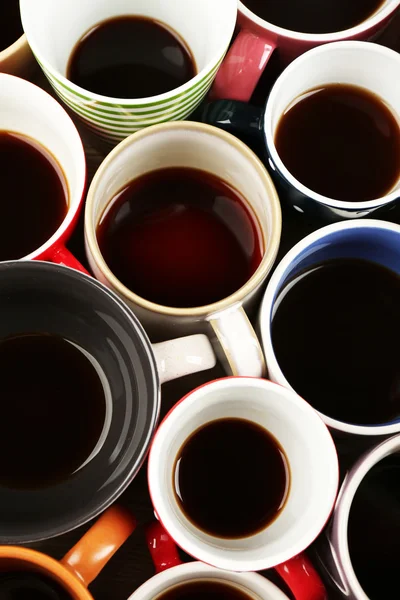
{"x":242,"y":354}
{"x":183,"y":356}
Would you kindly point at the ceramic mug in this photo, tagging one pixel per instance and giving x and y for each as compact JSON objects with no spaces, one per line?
{"x":28,"y":110}
{"x":36,"y":296}
{"x":209,"y":149}
{"x":310,"y":452}
{"x":341,"y":62}
{"x":53,"y":29}
{"x":368,"y":239}
{"x":332,"y":549}
{"x":81,"y":565}
{"x":257,"y":40}
{"x":17,"y":59}
{"x":302,"y":578}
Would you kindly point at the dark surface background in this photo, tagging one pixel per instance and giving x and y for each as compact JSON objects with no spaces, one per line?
{"x":131,"y":566}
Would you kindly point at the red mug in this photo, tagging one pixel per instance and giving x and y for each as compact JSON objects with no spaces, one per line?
{"x":28,"y":110}
{"x":257,"y":40}
{"x":301,"y":578}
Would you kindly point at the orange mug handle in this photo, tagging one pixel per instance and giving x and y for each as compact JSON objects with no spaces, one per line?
{"x":93,"y":551}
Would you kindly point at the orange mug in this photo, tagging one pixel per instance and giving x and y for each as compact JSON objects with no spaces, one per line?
{"x":81,"y":565}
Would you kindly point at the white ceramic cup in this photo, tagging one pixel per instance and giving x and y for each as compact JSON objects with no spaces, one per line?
{"x":362,"y":64}
{"x":367,"y":239}
{"x":28,"y":110}
{"x":209,"y":149}
{"x":53,"y":29}
{"x":312,"y":461}
{"x":302,"y":579}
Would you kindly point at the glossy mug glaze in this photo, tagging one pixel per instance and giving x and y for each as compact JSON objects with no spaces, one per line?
{"x":258,"y":39}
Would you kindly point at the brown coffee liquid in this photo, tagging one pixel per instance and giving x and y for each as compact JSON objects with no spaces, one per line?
{"x":204,"y":588}
{"x":131,"y":57}
{"x":231,"y":478}
{"x":52,"y":410}
{"x":374,"y":530}
{"x":341,"y":141}
{"x":34,"y":195}
{"x":335,"y":333}
{"x":180,"y":237}
{"x":314,"y":16}
{"x":10,"y":23}
{"x":27,"y":585}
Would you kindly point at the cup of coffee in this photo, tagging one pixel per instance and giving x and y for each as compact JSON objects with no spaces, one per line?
{"x":26,"y":573}
{"x":42,"y":175}
{"x":178,"y":581}
{"x":243,"y":475}
{"x":329,"y":323}
{"x":184,"y":223}
{"x":80,"y":388}
{"x":291,"y":27}
{"x":330,"y":129}
{"x":15,"y":54}
{"x":124,"y":65}
{"x":358,"y":553}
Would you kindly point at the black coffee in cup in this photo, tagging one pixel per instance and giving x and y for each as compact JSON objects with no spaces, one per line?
{"x":131,"y":57}
{"x":52,"y":411}
{"x":341,"y":141}
{"x":231,"y":478}
{"x":10,"y":23}
{"x":213,"y":589}
{"x":335,"y":331}
{"x":26,"y":585}
{"x":314,"y":16}
{"x":374,"y":529}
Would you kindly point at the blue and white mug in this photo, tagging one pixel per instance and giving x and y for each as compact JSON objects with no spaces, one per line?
{"x":368,"y":239}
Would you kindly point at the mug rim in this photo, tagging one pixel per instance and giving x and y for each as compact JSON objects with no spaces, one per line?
{"x":246,"y":565}
{"x":50,"y":565}
{"x":275,"y":160}
{"x":341,"y":514}
{"x":198,"y":568}
{"x":268,"y":258}
{"x":87,"y":515}
{"x":375,"y":19}
{"x":74,"y":206}
{"x":268,"y":302}
{"x":85,"y":94}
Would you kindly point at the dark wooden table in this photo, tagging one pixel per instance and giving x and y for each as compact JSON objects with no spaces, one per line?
{"x":132,"y":566}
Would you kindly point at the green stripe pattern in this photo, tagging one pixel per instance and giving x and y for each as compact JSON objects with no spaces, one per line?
{"x":114,"y":122}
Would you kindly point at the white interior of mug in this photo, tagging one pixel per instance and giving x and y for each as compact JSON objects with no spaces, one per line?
{"x":383,"y":11}
{"x":312,"y":461}
{"x":363,"y":64}
{"x":27,"y":109}
{"x":258,"y":587}
{"x":54,"y":28}
{"x":184,"y":145}
{"x":339,"y":532}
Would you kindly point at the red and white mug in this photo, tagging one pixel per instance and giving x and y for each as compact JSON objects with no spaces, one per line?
{"x":28,"y":110}
{"x":257,"y":40}
{"x":301,"y":578}
{"x":313,"y":467}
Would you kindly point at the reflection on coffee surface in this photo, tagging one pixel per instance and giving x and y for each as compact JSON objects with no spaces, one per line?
{"x":314,"y":16}
{"x":10,"y":23}
{"x":52,"y":412}
{"x":212,"y":589}
{"x":231,"y":478}
{"x":131,"y":57}
{"x":34,"y":195}
{"x":374,"y":530}
{"x":180,"y":237}
{"x":26,"y":585}
{"x":341,"y":141}
{"x":335,"y":334}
